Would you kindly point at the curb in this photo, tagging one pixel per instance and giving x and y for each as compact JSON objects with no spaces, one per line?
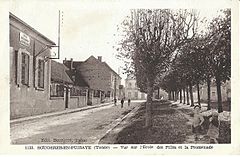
{"x":19,"y":120}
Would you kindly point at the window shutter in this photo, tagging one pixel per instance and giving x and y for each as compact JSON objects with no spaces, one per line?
{"x":12,"y":63}
{"x":30,"y":71}
{"x":27,"y":69}
{"x":19,"y":66}
{"x":36,"y":73}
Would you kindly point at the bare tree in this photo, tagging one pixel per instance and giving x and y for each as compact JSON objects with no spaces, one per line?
{"x":151,"y":38}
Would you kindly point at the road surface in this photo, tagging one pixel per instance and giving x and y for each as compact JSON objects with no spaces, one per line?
{"x":84,"y":127}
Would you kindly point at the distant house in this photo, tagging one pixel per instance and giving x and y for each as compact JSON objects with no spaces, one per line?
{"x":63,"y":92}
{"x":29,"y":70}
{"x":131,"y":89}
{"x":121,"y":92}
{"x":103,"y":82}
{"x":225,"y":91}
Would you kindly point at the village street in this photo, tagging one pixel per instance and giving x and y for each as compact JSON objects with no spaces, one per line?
{"x":80,"y":127}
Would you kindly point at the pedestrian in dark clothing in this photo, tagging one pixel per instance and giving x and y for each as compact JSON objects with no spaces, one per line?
{"x":129,"y":101}
{"x":115,"y":101}
{"x":122,"y":101}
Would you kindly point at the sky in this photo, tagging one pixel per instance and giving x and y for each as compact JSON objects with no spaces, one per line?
{"x":87,"y":28}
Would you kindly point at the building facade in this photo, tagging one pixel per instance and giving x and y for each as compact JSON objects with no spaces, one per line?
{"x":29,"y":70}
{"x":63,"y":91}
{"x":225,"y":91}
{"x":103,"y":82}
{"x":131,"y":89}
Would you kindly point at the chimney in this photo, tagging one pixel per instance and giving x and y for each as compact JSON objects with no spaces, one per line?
{"x":100,"y":58}
{"x":71,"y":64}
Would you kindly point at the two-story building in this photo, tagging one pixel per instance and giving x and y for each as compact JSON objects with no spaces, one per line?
{"x":30,"y":68}
{"x":131,"y":89}
{"x":102,"y":80}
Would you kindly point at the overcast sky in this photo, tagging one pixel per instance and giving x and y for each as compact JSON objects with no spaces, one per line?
{"x":87,"y":28}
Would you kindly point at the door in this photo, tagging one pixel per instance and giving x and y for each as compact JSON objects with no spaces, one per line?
{"x":66,"y":98}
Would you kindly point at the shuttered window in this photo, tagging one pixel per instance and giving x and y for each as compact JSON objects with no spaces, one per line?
{"x":40,"y":73}
{"x":25,"y":69}
{"x":16,"y":66}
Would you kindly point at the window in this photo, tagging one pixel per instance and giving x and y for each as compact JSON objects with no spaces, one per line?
{"x":136,"y":94}
{"x":25,"y":69}
{"x":56,"y":90}
{"x":41,"y":73}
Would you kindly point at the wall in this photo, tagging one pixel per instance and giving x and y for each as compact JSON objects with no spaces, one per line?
{"x":57,"y":103}
{"x":73,"y":102}
{"x":98,"y":78}
{"x":28,"y":100}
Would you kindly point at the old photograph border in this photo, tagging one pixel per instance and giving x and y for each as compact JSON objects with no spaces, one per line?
{"x":233,"y":148}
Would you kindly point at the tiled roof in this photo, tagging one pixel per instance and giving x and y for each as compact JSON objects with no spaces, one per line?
{"x":58,"y":73}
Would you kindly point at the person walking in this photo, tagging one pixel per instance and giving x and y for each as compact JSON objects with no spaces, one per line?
{"x":115,"y":101}
{"x":122,"y":101}
{"x":129,"y":101}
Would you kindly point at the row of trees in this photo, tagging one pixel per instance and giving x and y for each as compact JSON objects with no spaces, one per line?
{"x":164,"y":48}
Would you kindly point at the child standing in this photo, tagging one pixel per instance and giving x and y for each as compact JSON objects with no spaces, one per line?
{"x":197,"y":122}
{"x":213,"y":131}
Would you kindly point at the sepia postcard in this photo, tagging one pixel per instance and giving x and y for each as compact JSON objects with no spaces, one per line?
{"x":120,"y":77}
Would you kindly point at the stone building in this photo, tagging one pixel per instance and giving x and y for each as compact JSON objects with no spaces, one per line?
{"x":29,"y":70}
{"x":102,"y":80}
{"x":131,"y":89}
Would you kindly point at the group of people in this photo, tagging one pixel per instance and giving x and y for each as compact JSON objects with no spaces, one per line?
{"x":122,"y":102}
{"x":213,"y":130}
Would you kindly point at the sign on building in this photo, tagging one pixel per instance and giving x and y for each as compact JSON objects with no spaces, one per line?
{"x":24,"y":39}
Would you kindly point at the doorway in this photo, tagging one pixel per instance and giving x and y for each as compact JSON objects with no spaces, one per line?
{"x":66,"y":98}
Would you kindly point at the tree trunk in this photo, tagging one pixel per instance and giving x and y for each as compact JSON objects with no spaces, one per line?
{"x":158,"y":93}
{"x":180,"y":95}
{"x":198,"y":93}
{"x":176,"y":96}
{"x":173,"y":95}
{"x":219,"y":94}
{"x":187,"y":96}
{"x":148,"y":122}
{"x":169,"y":95}
{"x":191,"y":94}
{"x":184,"y":98}
{"x":209,"y":93}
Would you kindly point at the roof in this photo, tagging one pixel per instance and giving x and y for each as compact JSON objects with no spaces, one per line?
{"x":110,"y":69}
{"x":31,"y":28}
{"x":58,"y":73}
{"x":80,"y":81}
{"x":103,"y":63}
